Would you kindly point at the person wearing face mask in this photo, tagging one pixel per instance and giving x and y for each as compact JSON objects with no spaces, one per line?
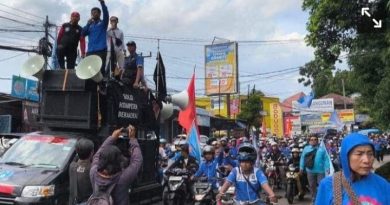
{"x":355,"y":184}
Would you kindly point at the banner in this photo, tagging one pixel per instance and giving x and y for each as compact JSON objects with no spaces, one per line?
{"x":234,"y":106}
{"x":292,"y":126}
{"x":276,"y":119}
{"x":316,"y":106}
{"x":221,"y":70}
{"x":24,"y":88}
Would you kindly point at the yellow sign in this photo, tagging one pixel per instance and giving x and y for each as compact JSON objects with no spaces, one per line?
{"x":221,"y":68}
{"x":345,"y":116}
{"x":276,"y":119}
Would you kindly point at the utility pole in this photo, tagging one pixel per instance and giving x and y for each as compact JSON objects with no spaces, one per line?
{"x":342,"y":82}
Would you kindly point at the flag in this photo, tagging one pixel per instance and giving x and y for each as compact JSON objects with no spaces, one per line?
{"x":54,"y":59}
{"x":193,"y":141}
{"x":159,"y":78}
{"x":188,"y":115}
{"x":305,"y":101}
{"x":254,"y":143}
{"x":335,"y":120}
{"x":331,"y":168}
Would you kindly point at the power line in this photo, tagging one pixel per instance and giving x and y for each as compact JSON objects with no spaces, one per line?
{"x":22,"y":11}
{"x":20,"y":30}
{"x":5,"y":59}
{"x":7,"y":12}
{"x":17,"y":21}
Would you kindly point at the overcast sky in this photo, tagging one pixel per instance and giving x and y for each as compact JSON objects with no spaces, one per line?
{"x":195,"y":23}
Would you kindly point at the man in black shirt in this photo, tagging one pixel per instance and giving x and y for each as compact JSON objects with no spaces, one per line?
{"x":80,"y":183}
{"x":68,"y":41}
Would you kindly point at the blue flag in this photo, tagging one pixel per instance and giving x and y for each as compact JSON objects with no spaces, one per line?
{"x":305,"y":101}
{"x":329,"y":172}
{"x":335,"y":120}
{"x":193,"y":141}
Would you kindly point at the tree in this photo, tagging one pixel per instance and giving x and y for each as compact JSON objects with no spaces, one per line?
{"x":250,"y":111}
{"x":336,"y":27}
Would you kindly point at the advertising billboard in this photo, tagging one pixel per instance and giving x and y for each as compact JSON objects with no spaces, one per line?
{"x":276,"y":119}
{"x":24,"y":88}
{"x":221,"y":68}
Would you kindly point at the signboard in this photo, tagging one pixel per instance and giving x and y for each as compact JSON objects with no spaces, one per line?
{"x":5,"y":123}
{"x":346,"y":116}
{"x":216,"y":104}
{"x":317,"y":106}
{"x":292,"y":126}
{"x":24,"y":88}
{"x":128,"y":110}
{"x":234,"y":106}
{"x":276,"y":119}
{"x":30,"y":116}
{"x":221,"y":68}
{"x":18,"y":89}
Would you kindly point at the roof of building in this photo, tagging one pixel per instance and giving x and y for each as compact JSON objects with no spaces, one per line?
{"x":338,"y":99}
{"x":287,"y":103}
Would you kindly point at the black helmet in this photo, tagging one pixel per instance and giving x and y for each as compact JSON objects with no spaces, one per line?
{"x":185,"y":148}
{"x":247,"y":152}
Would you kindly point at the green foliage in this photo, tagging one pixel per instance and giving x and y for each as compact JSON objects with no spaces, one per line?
{"x":250,"y":111}
{"x":333,"y":29}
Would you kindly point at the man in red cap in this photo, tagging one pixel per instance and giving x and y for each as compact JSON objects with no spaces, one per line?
{"x":68,"y":40}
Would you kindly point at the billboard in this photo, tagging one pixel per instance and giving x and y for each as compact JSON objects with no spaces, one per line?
{"x":317,"y":106}
{"x":276,"y":119}
{"x":346,"y":116}
{"x":221,"y":68}
{"x":24,"y":88}
{"x":292,"y":126}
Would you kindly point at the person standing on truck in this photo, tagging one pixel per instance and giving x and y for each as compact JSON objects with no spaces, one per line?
{"x":107,"y":171}
{"x":96,"y":30}
{"x":133,"y":74}
{"x":115,"y":46}
{"x":80,"y":187}
{"x":68,"y":40}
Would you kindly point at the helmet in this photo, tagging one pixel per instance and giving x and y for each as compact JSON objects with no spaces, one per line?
{"x":247,"y":152}
{"x":273,"y":143}
{"x":224,"y":139}
{"x":208,"y":149}
{"x":295,"y":150}
{"x":176,"y":142}
{"x":163,"y":141}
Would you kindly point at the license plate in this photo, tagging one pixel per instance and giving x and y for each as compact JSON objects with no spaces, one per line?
{"x":175,"y":178}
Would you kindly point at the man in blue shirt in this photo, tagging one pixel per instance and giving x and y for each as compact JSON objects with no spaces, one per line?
{"x":133,"y":74}
{"x":247,"y":180}
{"x":96,"y":30}
{"x":208,"y":168}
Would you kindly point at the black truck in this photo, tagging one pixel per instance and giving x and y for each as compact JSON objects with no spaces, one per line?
{"x":34,"y":170}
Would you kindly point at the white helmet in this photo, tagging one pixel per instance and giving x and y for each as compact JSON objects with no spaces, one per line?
{"x":273,"y":143}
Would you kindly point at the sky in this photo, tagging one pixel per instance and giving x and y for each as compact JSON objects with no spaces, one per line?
{"x":184,"y":27}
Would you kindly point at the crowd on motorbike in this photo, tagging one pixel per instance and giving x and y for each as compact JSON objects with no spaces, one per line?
{"x":246,"y":170}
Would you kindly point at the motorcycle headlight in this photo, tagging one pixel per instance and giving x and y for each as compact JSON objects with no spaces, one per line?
{"x":38,"y":191}
{"x":199,"y":197}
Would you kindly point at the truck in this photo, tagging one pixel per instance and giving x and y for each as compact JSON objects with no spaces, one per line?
{"x":34,"y":170}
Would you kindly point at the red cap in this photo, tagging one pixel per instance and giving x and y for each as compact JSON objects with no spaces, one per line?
{"x":75,"y":14}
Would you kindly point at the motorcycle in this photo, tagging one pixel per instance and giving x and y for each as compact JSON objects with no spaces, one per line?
{"x":175,"y":188}
{"x":291,"y":186}
{"x":228,"y":197}
{"x":271,"y":173}
{"x":203,"y":192}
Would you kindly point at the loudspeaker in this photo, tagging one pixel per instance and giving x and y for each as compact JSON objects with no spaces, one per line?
{"x":180,"y":99}
{"x":34,"y":67}
{"x":89,"y":68}
{"x":166,"y":111}
{"x":70,"y":109}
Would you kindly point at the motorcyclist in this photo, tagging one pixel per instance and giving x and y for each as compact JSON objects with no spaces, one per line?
{"x":247,"y":179}
{"x":208,"y":168}
{"x":294,"y":160}
{"x":233,"y":148}
{"x":276,"y":156}
{"x":228,"y":163}
{"x":285,"y":150}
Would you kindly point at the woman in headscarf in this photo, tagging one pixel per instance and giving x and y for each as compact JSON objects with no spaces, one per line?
{"x":355,"y":184}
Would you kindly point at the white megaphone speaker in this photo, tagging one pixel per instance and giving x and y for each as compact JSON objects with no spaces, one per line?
{"x":34,"y":67}
{"x":89,"y":68}
{"x":166,"y":111}
{"x":180,"y":99}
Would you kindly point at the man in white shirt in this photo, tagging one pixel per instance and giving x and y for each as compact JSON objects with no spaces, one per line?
{"x":115,"y":46}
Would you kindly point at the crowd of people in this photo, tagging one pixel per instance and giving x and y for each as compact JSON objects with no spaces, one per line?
{"x":314,"y":158}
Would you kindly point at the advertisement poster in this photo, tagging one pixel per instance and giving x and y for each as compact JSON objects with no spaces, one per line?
{"x":221,"y":69}
{"x":292,"y":126}
{"x":276,"y":119}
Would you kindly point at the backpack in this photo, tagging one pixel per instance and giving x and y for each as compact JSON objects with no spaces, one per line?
{"x":100,"y":197}
{"x":309,"y":158}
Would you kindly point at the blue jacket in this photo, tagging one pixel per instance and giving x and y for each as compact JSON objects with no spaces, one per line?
{"x":372,"y":189}
{"x":97,"y":32}
{"x":321,"y":162}
{"x":209,"y":170}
